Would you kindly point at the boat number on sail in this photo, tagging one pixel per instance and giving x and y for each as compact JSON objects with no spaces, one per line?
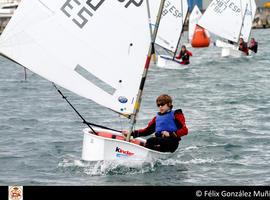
{"x":84,"y":10}
{"x":221,"y":5}
{"x":169,"y":8}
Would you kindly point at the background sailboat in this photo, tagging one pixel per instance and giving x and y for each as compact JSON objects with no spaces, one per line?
{"x":248,"y":19}
{"x":229,"y":20}
{"x":170,"y":30}
{"x":65,"y":42}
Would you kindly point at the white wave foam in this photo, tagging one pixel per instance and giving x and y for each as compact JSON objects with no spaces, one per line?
{"x":192,"y":161}
{"x":100,"y":168}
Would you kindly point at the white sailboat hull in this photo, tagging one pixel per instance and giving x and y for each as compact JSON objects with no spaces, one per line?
{"x":97,"y":148}
{"x":229,"y":50}
{"x":165,"y":61}
{"x":232,"y":52}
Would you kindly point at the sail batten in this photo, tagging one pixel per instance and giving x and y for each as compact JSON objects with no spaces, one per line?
{"x":107,"y":39}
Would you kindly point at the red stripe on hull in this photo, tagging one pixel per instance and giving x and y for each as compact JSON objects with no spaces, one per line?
{"x":119,"y":137}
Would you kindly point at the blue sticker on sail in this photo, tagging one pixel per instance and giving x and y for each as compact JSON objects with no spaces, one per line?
{"x":122,"y":99}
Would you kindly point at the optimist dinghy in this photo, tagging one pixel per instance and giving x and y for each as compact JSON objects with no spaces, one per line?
{"x":64,"y":42}
{"x":170,"y":31}
{"x":111,"y":145}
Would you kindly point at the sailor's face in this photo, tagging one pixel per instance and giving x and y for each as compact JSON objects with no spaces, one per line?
{"x":163,"y":108}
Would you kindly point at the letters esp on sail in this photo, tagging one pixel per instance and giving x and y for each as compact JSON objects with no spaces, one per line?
{"x":96,"y":49}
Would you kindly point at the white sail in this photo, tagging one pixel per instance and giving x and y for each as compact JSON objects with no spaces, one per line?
{"x":96,"y":49}
{"x":194,"y":17}
{"x":154,"y":6}
{"x":224,"y":19}
{"x":248,"y":18}
{"x":171,"y":24}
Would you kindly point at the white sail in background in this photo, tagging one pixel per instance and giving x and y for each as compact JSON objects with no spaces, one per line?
{"x":224,"y":19}
{"x":248,"y":18}
{"x":96,"y":49}
{"x":171,"y":24}
{"x":194,"y":17}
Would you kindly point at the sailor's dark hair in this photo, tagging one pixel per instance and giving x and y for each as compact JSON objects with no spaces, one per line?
{"x":166,"y":99}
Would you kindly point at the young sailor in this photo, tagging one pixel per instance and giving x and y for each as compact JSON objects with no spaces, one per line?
{"x":243,"y":46}
{"x":184,"y":55}
{"x":253,"y":45}
{"x":168,"y":125}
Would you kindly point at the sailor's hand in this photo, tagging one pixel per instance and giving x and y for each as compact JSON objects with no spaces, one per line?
{"x":165,"y":134}
{"x":125,"y":133}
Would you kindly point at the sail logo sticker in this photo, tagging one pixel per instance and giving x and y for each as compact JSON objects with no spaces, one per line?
{"x":248,"y":13}
{"x":82,"y":11}
{"x":15,"y":192}
{"x":122,"y":99}
{"x":123,"y":153}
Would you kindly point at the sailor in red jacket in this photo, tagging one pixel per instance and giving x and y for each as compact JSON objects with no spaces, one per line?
{"x":184,"y":55}
{"x":168,"y":125}
{"x":253,"y":46}
{"x":243,"y":46}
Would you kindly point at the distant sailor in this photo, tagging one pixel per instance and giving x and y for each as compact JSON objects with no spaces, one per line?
{"x":168,"y":125}
{"x":253,"y":45}
{"x":243,"y":46}
{"x":184,"y":55}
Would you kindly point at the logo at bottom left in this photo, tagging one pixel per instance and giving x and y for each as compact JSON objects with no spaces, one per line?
{"x":15,"y":192}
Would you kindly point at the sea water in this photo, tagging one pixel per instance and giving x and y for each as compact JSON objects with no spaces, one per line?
{"x":226,"y":102}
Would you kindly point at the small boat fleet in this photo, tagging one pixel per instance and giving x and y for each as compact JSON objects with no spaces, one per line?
{"x":231,"y":22}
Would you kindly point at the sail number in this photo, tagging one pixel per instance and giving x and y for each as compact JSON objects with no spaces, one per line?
{"x":221,"y":5}
{"x":171,"y":9}
{"x":87,"y":9}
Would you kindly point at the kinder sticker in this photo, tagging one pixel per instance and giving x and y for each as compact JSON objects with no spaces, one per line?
{"x":15,"y":192}
{"x":122,"y":153}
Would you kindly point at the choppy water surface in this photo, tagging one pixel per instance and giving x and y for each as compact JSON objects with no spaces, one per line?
{"x":227,"y":107}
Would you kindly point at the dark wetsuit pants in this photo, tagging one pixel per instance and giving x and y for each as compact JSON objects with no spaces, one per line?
{"x":167,"y":144}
